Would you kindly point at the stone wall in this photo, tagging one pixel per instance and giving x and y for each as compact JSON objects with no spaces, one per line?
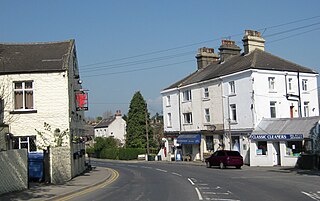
{"x":60,"y":158}
{"x":13,"y":170}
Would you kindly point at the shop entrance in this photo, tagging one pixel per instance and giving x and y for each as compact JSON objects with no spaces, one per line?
{"x":276,"y":153}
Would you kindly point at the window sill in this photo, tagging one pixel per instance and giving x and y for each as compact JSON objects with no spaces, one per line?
{"x":23,"y":111}
{"x":232,"y":94}
{"x":272,"y":92}
{"x":233,"y":122}
{"x":205,"y":99}
{"x":187,"y":124}
{"x":186,"y":101}
{"x":169,"y":126}
{"x":168,"y":105}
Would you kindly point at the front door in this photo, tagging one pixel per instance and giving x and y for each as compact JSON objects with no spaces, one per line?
{"x":276,"y":153}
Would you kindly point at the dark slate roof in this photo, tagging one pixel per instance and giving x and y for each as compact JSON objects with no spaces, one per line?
{"x":105,"y":122}
{"x":256,"y":59}
{"x":303,"y":126}
{"x":34,"y":57}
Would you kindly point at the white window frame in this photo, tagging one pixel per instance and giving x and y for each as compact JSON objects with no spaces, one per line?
{"x":186,"y":95}
{"x":207,"y":115}
{"x":290,"y":88}
{"x":206,"y":93}
{"x":271,"y":81}
{"x":169,"y":121}
{"x":168,"y":101}
{"x":187,"y":118}
{"x":233,"y":113}
{"x":232,"y":88}
{"x":304,"y":84}
{"x":306,"y":108}
{"x":23,"y":90}
{"x":273,"y":108}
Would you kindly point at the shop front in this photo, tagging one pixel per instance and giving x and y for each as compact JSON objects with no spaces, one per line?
{"x":275,"y":149}
{"x":189,"y":147}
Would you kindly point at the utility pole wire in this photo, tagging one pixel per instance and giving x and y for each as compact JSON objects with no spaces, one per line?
{"x":198,"y":43}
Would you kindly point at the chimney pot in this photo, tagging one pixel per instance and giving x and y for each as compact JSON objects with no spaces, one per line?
{"x":205,"y":56}
{"x":228,"y":49}
{"x":252,"y":40}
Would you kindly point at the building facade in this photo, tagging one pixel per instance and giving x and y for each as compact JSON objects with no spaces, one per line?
{"x":244,"y":88}
{"x":114,"y":126}
{"x":39,"y":86}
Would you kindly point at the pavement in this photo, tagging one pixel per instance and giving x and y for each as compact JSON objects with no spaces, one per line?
{"x":82,"y":183}
{"x":100,"y":176}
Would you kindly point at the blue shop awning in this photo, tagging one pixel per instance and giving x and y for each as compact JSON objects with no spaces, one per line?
{"x":189,"y":139}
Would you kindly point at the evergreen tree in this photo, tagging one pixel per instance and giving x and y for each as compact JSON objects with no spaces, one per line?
{"x":136,"y":123}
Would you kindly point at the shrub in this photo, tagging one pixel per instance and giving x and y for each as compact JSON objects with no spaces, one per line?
{"x":90,"y":151}
{"x":130,"y":153}
{"x":110,"y":153}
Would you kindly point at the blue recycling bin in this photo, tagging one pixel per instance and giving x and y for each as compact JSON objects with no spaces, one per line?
{"x":36,"y":160}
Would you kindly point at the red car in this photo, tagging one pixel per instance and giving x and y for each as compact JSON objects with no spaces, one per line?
{"x":224,"y":158}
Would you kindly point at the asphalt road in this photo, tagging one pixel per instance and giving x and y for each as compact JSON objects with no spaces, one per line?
{"x":155,"y":181}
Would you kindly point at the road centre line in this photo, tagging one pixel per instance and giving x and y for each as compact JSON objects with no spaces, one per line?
{"x":199,"y":194}
{"x":161,"y":170}
{"x":190,"y":181}
{"x":176,"y":174}
{"x":147,"y":167}
{"x":223,"y":199}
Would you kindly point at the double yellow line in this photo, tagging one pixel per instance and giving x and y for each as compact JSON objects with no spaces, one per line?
{"x":114,"y":176}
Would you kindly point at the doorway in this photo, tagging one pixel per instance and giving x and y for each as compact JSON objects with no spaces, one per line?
{"x":276,"y":153}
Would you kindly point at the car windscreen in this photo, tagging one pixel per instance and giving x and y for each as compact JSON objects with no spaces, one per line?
{"x":233,"y":153}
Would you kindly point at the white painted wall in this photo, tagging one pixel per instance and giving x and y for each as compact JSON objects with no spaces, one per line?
{"x":116,"y":129}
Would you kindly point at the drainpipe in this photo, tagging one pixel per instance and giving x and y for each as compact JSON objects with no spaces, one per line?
{"x":299,"y":95}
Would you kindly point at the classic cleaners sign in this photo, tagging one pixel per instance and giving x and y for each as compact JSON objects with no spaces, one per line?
{"x":276,"y":137}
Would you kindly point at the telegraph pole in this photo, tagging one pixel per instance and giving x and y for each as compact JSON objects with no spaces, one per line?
{"x":147,"y":135}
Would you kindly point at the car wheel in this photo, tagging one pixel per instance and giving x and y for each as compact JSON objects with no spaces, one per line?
{"x":221,"y":165}
{"x":208,"y":165}
{"x":238,"y":167}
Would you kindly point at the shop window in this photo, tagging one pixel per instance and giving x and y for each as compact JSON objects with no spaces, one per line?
{"x":262,"y":148}
{"x":294,"y":148}
{"x":209,"y":142}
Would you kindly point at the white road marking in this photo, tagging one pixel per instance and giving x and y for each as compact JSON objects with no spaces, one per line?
{"x":203,"y":184}
{"x":177,"y":174}
{"x":147,"y":167}
{"x":191,"y":181}
{"x":214,"y":193}
{"x":199,"y":194}
{"x":313,"y":196}
{"x":161,"y":170}
{"x":223,"y":199}
{"x":204,"y":188}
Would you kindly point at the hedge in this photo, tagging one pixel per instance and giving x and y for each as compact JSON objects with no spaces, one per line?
{"x":130,"y":153}
{"x":109,"y":153}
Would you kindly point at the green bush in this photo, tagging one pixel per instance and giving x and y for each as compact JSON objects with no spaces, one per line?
{"x":130,"y":153}
{"x":109,"y":153}
{"x":90,"y":151}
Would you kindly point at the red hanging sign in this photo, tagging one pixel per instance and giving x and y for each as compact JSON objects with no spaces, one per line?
{"x":81,"y":100}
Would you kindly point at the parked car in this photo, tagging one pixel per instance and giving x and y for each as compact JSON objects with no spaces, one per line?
{"x":224,"y":158}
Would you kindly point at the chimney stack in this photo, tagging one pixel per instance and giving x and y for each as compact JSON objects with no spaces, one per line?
{"x":252,"y":40}
{"x":118,"y":113}
{"x":205,"y":56}
{"x":228,"y":49}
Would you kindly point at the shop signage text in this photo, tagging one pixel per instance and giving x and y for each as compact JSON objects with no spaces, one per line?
{"x":278,"y":137}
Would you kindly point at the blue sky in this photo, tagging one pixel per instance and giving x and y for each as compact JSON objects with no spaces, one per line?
{"x":145,"y":45}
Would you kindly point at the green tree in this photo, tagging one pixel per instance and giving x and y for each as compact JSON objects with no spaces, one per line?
{"x":102,"y":143}
{"x":136,"y":123}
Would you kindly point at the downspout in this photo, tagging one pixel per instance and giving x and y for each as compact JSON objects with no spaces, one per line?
{"x":299,"y":95}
